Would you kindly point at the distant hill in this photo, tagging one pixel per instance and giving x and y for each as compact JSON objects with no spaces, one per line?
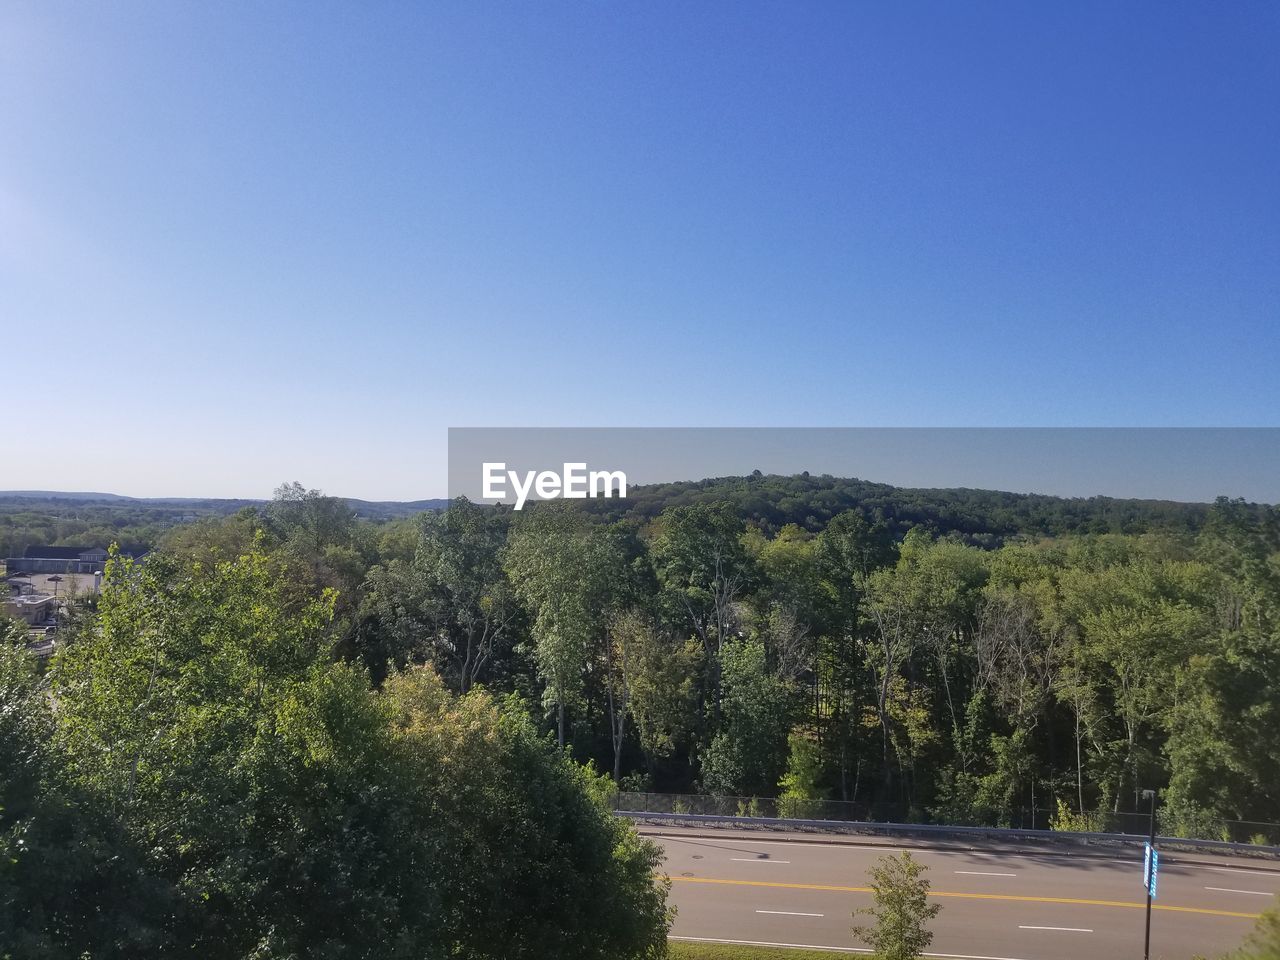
{"x":982,"y":517}
{"x":371,"y":509}
{"x":393,"y":509}
{"x":57,"y":495}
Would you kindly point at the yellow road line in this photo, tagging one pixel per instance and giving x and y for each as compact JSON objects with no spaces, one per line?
{"x":974,"y":896}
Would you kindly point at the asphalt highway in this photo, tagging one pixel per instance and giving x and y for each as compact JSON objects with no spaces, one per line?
{"x":996,"y":904}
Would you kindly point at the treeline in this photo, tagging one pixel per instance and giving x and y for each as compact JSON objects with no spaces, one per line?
{"x":917,"y":677}
{"x":982,"y":517}
{"x":99,"y":521}
{"x":71,"y":520}
{"x":55,"y":523}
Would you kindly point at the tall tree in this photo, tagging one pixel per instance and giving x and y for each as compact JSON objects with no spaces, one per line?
{"x":564,"y":569}
{"x":848,"y":551}
{"x":703,"y":569}
{"x":451,"y":603}
{"x":919,"y":606}
{"x":748,"y":754}
{"x":662,"y":685}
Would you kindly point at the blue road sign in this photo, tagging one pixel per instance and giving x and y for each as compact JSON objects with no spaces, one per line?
{"x":1151,"y":869}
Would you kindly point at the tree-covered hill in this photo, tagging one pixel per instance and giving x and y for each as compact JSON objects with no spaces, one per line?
{"x":983,"y":517}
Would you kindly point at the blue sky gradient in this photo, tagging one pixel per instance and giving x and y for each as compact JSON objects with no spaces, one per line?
{"x":245,"y":243}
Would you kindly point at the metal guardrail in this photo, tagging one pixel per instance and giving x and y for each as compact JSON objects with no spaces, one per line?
{"x":990,"y":833}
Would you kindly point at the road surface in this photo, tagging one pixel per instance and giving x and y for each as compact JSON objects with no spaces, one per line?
{"x":996,"y":904}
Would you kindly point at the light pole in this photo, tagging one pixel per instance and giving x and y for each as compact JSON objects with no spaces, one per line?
{"x":1151,"y":854}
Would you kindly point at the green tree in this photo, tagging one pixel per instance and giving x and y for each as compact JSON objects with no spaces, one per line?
{"x":323,"y":544}
{"x":794,"y":604}
{"x":310,"y":518}
{"x":626,"y":652}
{"x":211,"y":539}
{"x":703,"y":569}
{"x":662,"y":685}
{"x":1018,"y":660}
{"x":574,"y":577}
{"x":539,"y":866}
{"x":295,"y":812}
{"x":1140,"y":621}
{"x":918,"y":610}
{"x":849,"y":549}
{"x":451,"y":603}
{"x":206,"y":715}
{"x":1263,"y":942}
{"x":1223,"y":728}
{"x":801,"y":786}
{"x":71,"y":883}
{"x":748,"y":754}
{"x":1225,"y":718}
{"x":902,"y":909}
{"x":559,"y":566}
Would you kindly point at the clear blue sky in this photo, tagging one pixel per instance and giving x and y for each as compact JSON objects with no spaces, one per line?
{"x":244,"y":243}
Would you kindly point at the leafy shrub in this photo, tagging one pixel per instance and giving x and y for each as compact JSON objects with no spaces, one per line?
{"x":1069,"y":821}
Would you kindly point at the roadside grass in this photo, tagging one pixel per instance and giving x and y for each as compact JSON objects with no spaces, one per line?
{"x":682,"y":950}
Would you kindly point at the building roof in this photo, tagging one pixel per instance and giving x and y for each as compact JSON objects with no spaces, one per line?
{"x":39,"y":552}
{"x":42,"y":552}
{"x":30,"y":599}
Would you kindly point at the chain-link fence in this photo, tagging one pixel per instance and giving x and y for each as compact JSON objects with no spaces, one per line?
{"x":1135,"y":824}
{"x":677,"y":803}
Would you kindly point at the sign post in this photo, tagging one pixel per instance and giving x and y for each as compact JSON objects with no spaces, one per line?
{"x":1150,"y":870}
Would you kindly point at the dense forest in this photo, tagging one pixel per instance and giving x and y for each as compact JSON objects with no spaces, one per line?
{"x":956,"y":655}
{"x":293,"y":715}
{"x":923,"y":655}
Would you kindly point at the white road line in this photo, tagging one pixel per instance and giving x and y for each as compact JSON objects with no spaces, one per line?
{"x":818,"y":946}
{"x":791,"y":913}
{"x":1255,"y":893}
{"x":793,"y":946}
{"x":984,"y":873}
{"x":757,"y":860}
{"x":1255,"y":873}
{"x":1077,"y":858}
{"x":728,"y":843}
{"x":880,"y":848}
{"x":1063,"y":929}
